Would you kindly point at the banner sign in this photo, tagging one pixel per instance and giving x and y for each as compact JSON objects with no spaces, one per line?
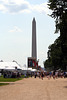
{"x":32,"y":62}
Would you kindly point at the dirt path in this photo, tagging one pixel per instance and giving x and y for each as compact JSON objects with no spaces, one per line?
{"x":35,"y":89}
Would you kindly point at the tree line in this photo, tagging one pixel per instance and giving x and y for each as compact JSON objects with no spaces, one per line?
{"x":57,"y":52}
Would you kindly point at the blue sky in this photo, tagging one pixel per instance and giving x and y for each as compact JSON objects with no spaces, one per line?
{"x":16,"y":29}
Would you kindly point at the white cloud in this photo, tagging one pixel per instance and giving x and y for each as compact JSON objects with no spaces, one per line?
{"x":15,"y":29}
{"x":21,"y":6}
{"x":3,"y":8}
{"x":42,"y":8}
{"x":14,"y":6}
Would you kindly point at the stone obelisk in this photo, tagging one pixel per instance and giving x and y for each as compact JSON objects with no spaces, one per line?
{"x":34,"y":45}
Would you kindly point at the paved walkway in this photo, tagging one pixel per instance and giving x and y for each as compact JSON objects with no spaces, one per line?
{"x":35,"y":89}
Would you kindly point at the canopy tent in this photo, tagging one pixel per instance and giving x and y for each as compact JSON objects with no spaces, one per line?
{"x":34,"y":70}
{"x":28,"y":69}
{"x":9,"y":65}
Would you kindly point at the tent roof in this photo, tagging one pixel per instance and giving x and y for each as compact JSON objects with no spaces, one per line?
{"x":9,"y":65}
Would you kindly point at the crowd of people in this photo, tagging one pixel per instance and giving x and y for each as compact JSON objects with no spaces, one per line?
{"x":55,"y":74}
{"x":11,"y":74}
{"x":41,"y":74}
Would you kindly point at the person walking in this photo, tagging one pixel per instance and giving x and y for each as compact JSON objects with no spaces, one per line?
{"x":42,"y":75}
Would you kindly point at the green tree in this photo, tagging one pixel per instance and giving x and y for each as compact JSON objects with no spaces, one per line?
{"x":59,"y":13}
{"x":54,"y":60}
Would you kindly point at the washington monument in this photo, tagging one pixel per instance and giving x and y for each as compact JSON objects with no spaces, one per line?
{"x":34,"y":44}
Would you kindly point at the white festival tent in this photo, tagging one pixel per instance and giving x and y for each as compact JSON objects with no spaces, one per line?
{"x":13,"y":66}
{"x":28,"y":69}
{"x":9,"y":65}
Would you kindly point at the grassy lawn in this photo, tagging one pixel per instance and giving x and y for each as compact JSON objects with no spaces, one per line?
{"x":1,"y":84}
{"x":10,"y":79}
